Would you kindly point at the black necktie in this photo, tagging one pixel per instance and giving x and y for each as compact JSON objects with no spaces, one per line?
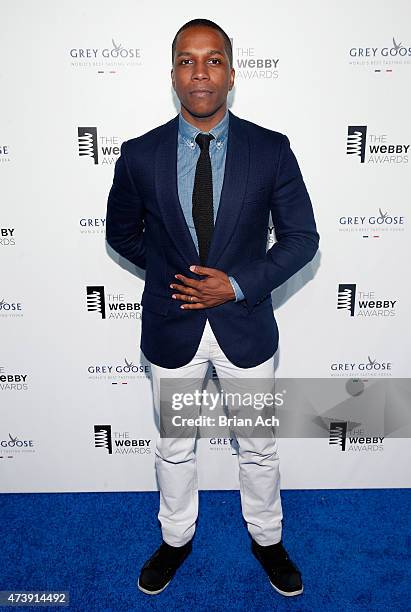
{"x":203,"y":215}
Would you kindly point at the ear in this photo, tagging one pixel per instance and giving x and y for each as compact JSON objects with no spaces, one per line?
{"x":232,"y":77}
{"x":172,"y":79}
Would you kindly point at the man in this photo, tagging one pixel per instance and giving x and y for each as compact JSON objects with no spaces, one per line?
{"x":190,"y":204}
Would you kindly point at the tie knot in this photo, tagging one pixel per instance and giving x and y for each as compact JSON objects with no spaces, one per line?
{"x":203,"y":140}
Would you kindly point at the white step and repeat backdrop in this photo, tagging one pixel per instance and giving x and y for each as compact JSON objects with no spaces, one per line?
{"x":78,"y":78}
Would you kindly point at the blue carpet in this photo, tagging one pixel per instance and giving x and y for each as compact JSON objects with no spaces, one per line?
{"x":352,"y":546}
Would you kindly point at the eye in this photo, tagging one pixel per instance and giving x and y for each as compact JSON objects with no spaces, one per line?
{"x":183,"y":61}
{"x":215,"y":60}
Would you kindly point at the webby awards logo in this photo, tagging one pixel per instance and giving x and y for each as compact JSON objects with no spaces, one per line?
{"x":97,"y":149}
{"x":251,"y":63}
{"x":375,"y":148}
{"x":111,"y":304}
{"x":359,"y":303}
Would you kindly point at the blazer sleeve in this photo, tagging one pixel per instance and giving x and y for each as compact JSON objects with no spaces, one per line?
{"x":295,"y":231}
{"x":125,"y":214}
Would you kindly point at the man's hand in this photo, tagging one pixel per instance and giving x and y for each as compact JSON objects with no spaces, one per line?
{"x":211,"y":291}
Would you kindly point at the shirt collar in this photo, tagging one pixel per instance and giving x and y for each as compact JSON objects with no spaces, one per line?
{"x":189,"y":132}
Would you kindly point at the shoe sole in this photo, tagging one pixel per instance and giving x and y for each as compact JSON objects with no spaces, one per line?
{"x":152,"y":592}
{"x":287,"y":593}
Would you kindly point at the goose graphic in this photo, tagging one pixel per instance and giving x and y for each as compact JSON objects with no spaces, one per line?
{"x":396,"y":46}
{"x":116,"y":47}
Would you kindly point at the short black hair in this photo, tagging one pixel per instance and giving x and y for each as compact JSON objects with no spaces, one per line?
{"x":208,"y":24}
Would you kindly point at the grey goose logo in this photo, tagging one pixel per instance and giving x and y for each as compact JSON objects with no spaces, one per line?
{"x":372,"y":224}
{"x":117,"y":52}
{"x":11,"y":446}
{"x":87,"y":142}
{"x":96,"y":301}
{"x":118,"y":373}
{"x":128,"y":367}
{"x":224,"y":444}
{"x":8,"y":308}
{"x":372,"y":367}
{"x":356,"y":141}
{"x":396,"y":50}
{"x":346,"y":298}
{"x":102,"y":437}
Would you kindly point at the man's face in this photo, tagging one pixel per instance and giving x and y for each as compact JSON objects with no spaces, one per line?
{"x":201,"y":74}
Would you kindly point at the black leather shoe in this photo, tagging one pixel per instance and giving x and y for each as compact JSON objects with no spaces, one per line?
{"x":157,"y":572}
{"x":284,"y":575}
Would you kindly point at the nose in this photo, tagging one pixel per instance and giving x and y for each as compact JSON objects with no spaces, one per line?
{"x":200,"y":72}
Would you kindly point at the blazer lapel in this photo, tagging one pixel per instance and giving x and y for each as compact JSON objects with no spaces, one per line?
{"x":167,"y":194}
{"x":233,"y":190}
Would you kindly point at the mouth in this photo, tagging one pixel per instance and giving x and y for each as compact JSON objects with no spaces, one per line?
{"x":201,"y":93}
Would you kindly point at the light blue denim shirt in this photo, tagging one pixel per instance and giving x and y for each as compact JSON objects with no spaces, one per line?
{"x":188,"y":153}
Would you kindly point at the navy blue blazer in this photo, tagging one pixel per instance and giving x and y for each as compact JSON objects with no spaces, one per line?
{"x":146,"y":225}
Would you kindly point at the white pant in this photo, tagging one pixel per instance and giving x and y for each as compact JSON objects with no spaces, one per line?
{"x":175,"y":458}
